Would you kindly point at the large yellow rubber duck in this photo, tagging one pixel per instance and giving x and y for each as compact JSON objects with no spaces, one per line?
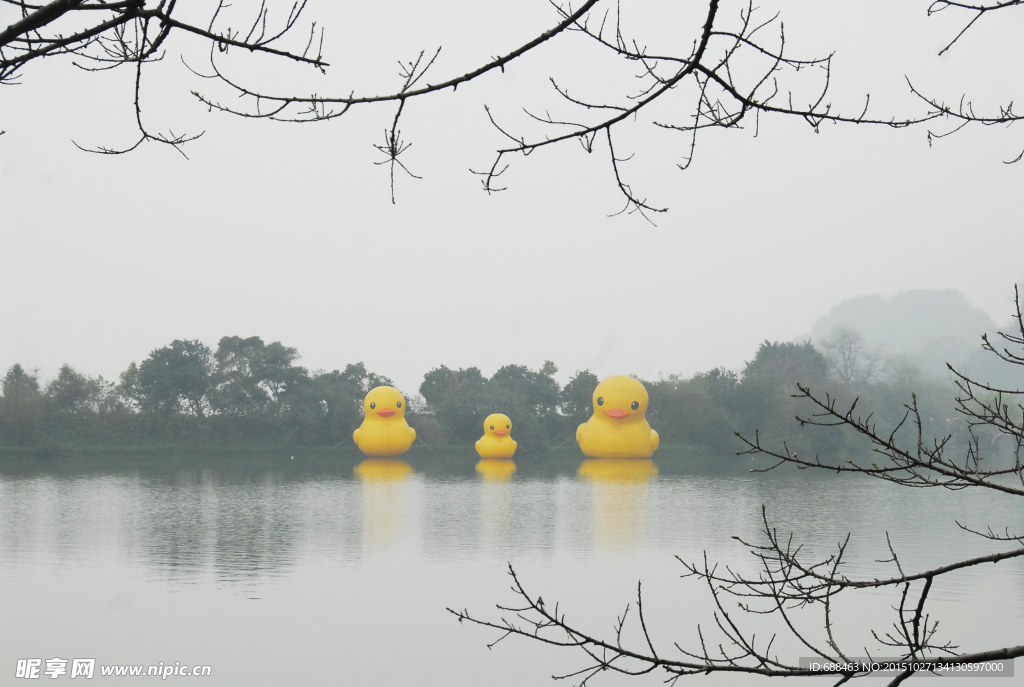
{"x":384,"y":431}
{"x":618,"y":428}
{"x":497,"y":441}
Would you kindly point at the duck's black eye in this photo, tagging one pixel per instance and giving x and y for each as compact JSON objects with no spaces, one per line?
{"x":372,"y":406}
{"x":492,"y":426}
{"x":508,"y":426}
{"x":636,"y":404}
{"x":600,"y":401}
{"x":398,"y":405}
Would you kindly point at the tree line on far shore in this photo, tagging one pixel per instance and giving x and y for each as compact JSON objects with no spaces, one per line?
{"x":248,"y":391}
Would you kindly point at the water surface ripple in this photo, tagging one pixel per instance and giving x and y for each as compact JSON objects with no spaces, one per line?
{"x":283,"y":577}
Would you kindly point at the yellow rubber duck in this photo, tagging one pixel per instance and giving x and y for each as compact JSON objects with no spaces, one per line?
{"x":384,"y":431}
{"x":497,"y":441}
{"x":618,"y":428}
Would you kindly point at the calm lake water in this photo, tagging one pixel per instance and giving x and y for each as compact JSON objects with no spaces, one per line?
{"x":283,"y":573}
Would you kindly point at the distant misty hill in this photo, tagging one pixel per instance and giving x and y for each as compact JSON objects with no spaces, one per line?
{"x":926,"y":328}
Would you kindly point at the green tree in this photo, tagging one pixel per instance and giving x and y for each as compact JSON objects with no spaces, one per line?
{"x":763,"y":397}
{"x":327,"y":406}
{"x":786,"y":364}
{"x":576,"y":399}
{"x":529,"y":398}
{"x":357,"y":375}
{"x":696,"y":411}
{"x":251,"y":378}
{"x":73,"y":394}
{"x":128,"y":391}
{"x":456,"y":398}
{"x":21,"y":405}
{"x":174,"y":380}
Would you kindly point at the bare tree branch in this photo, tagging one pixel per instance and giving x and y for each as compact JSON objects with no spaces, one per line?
{"x":734,"y":67}
{"x":790,"y":587}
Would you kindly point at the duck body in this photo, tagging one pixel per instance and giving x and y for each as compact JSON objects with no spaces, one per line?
{"x":618,"y":428}
{"x":497,"y":441}
{"x":384,"y":432}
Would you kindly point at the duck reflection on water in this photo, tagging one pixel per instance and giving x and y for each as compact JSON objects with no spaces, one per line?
{"x":622,"y":470}
{"x":496,"y":469}
{"x":619,"y":499}
{"x":384,"y":496}
{"x":383,"y":470}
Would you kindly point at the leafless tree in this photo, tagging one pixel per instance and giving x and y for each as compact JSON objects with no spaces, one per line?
{"x":850,"y":360}
{"x":789,"y":583}
{"x":902,"y":372}
{"x":738,"y":67}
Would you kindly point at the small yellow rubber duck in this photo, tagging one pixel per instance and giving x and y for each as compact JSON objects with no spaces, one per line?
{"x":618,"y":428}
{"x":497,"y":441}
{"x":384,"y":431}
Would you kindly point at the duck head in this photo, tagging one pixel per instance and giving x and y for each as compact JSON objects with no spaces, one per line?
{"x":383,"y":402}
{"x":497,"y":425}
{"x":620,"y":399}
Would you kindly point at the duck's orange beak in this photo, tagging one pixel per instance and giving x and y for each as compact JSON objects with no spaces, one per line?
{"x":616,"y":413}
{"x":500,"y":432}
{"x":386,"y":412}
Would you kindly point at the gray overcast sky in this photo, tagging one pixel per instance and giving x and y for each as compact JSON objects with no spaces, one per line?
{"x":287,"y":231}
